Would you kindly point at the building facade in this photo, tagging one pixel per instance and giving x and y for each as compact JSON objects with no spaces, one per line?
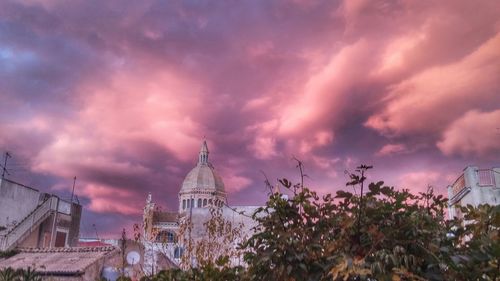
{"x":33,"y":219}
{"x":474,"y":187}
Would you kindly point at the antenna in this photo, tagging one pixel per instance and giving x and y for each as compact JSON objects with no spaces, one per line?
{"x":73,"y":191}
{"x":7,"y":156}
{"x":95,"y":228}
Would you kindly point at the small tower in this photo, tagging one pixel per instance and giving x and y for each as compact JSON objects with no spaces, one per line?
{"x":203,"y":155}
{"x":202,"y":187}
{"x":147,"y":217}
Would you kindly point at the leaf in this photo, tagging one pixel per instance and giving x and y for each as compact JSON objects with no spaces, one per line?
{"x":343,"y":194}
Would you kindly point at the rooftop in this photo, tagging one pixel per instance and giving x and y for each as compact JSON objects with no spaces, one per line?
{"x":57,"y":261}
{"x":165,"y":217}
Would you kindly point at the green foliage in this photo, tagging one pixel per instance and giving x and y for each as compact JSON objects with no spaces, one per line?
{"x":208,"y":272}
{"x":8,"y":274}
{"x":476,"y":244}
{"x":28,"y":274}
{"x":385,"y":234}
{"x":8,"y":254}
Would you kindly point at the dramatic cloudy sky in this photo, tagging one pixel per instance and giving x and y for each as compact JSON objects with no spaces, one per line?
{"x":121,"y":94}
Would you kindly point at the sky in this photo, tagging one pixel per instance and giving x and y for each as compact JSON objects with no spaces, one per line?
{"x":121,"y":95}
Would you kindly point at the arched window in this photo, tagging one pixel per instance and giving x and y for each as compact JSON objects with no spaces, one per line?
{"x":210,"y":202}
{"x":204,"y":202}
{"x":188,"y":203}
{"x":192,"y":203}
{"x":184,"y":204}
{"x":199,"y":203}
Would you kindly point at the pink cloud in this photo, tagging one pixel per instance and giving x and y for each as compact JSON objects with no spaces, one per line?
{"x":476,"y":133}
{"x":323,"y":95}
{"x":234,"y":182}
{"x":66,"y":157}
{"x":264,"y":147}
{"x":105,"y":199}
{"x":390,"y":149}
{"x":257,"y":103}
{"x":122,"y":96}
{"x":156,"y":108}
{"x":428,"y":101}
{"x":418,"y":181}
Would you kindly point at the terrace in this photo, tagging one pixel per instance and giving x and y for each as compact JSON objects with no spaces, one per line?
{"x":472,"y":177}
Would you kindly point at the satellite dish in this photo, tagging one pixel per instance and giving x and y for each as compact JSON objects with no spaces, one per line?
{"x":133,"y":258}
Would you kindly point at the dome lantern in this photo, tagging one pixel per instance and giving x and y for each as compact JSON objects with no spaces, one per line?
{"x":203,"y":156}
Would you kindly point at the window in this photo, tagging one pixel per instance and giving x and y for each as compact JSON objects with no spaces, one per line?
{"x":210,"y":202}
{"x":165,"y":236}
{"x":192,"y":203}
{"x":60,"y":239}
{"x":188,"y":203}
{"x":199,"y":203}
{"x":486,"y":177}
{"x":178,"y":252}
{"x":204,"y":202}
{"x":184,"y":204}
{"x":161,"y":237}
{"x":170,"y":237}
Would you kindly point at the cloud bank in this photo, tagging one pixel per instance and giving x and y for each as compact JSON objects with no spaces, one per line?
{"x":121,"y":93}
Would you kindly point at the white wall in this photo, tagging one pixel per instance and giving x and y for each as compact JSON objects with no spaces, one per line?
{"x":16,"y":201}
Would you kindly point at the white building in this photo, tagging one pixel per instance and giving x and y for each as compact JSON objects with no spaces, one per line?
{"x":201,"y":190}
{"x":30,"y":218}
{"x":474,"y":187}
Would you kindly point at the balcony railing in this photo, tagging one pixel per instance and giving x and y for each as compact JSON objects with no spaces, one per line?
{"x":486,"y":177}
{"x":28,"y":224}
{"x":458,"y":185}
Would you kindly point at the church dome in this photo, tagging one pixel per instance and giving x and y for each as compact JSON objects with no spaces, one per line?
{"x":203,"y":176}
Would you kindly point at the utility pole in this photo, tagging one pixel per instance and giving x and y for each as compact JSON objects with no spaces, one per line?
{"x":73,"y":191}
{"x":7,"y":156}
{"x":96,"y":235}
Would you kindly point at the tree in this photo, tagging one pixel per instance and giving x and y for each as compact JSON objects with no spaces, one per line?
{"x":385,"y":234}
{"x":475,"y":244}
{"x":213,"y":257}
{"x":218,"y":247}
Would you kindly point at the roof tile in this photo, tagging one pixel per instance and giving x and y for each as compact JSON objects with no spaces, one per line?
{"x":57,"y":260}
